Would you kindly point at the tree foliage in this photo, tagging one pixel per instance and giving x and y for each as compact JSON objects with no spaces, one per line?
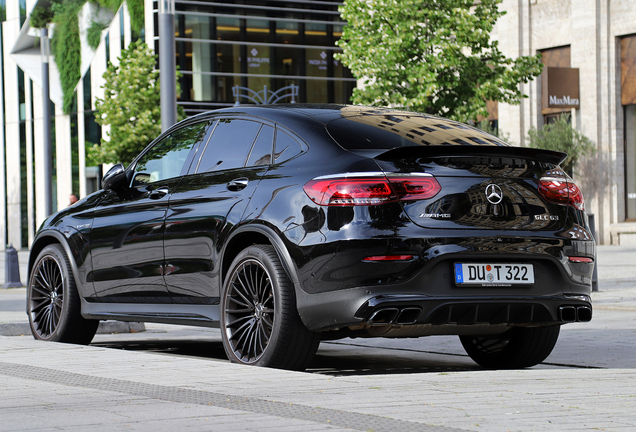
{"x":432,"y":56}
{"x":137,"y":14}
{"x":66,"y":48}
{"x":65,"y":42}
{"x":40,"y":17}
{"x":560,"y":136}
{"x":131,"y":106}
{"x":94,"y":34}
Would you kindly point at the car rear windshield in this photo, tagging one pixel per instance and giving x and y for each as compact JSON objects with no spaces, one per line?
{"x":387,"y":131}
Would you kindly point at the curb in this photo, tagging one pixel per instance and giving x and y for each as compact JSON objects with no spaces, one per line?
{"x":105,"y":327}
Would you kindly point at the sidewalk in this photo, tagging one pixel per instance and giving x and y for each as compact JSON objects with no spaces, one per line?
{"x":176,"y":378}
{"x":616,"y":278}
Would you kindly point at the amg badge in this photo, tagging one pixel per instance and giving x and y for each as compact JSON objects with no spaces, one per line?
{"x":436,"y":215}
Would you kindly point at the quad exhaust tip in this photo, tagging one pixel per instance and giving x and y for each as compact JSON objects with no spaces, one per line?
{"x":401,"y":316}
{"x":570,"y":314}
{"x":383,"y":316}
{"x":584,"y":313}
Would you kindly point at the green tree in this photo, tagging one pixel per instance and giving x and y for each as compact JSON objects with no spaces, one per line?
{"x":431,"y":56}
{"x":65,"y":42}
{"x":131,"y":106}
{"x":560,"y":136}
{"x":66,"y":48}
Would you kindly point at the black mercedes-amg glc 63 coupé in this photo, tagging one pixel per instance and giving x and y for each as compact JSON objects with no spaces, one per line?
{"x":286,"y":225}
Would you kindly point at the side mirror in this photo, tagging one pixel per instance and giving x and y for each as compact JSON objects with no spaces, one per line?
{"x":115,"y":178}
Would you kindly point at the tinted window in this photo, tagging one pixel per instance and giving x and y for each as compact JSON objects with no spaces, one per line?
{"x":286,"y":147}
{"x":166,"y":158}
{"x":229,"y":145}
{"x":390,"y":131}
{"x":261,"y":153}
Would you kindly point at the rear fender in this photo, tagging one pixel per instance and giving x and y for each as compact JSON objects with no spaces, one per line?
{"x":303,"y":300}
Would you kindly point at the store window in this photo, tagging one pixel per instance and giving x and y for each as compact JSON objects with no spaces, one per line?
{"x":224,"y":43}
{"x":559,"y":58}
{"x":628,"y":99}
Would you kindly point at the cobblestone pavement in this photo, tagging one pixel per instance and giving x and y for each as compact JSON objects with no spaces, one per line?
{"x":175,"y":378}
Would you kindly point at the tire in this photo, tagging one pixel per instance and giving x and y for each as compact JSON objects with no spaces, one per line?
{"x":53,"y":303}
{"x":260,"y":324}
{"x":519,"y":347}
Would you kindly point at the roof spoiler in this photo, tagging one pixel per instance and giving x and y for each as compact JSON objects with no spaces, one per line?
{"x":549,"y":156}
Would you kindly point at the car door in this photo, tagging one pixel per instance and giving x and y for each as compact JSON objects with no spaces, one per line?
{"x":208,"y":202}
{"x":128,"y":229}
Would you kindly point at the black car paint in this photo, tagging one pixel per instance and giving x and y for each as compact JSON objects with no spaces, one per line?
{"x":322,"y":248}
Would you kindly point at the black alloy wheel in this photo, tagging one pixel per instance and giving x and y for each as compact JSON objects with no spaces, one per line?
{"x":250,"y":311}
{"x":53,"y":301}
{"x":259,"y":321}
{"x":517,"y":348}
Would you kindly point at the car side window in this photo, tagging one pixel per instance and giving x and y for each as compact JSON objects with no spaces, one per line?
{"x":229,"y":145}
{"x":165,"y":159}
{"x":261,"y":153}
{"x":286,"y":146}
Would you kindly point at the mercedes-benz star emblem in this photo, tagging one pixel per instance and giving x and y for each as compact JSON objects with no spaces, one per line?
{"x":494,"y":194}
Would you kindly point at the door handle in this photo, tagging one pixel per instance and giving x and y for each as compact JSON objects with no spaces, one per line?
{"x":158,"y":193}
{"x":238,"y":184}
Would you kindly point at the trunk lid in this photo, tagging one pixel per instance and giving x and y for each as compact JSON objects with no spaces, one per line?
{"x":482,"y":187}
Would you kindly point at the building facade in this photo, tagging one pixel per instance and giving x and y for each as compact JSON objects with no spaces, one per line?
{"x":589,"y":51}
{"x":263,"y":46}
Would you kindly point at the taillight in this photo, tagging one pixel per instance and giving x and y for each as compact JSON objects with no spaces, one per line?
{"x":414,"y":187}
{"x":560,"y":189}
{"x":354,"y":189}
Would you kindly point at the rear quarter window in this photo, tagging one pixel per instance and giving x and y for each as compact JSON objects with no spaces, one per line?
{"x":286,"y":147}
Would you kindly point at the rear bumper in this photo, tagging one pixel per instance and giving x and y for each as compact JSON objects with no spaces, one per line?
{"x":358,"y":307}
{"x":528,"y":311}
{"x":338,"y":289}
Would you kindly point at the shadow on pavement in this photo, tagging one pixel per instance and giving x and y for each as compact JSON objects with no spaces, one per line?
{"x":334,"y":359}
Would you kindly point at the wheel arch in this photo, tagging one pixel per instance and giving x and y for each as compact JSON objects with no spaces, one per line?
{"x":256,"y":234}
{"x":49,"y":237}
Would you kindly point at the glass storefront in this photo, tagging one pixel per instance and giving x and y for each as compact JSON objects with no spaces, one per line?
{"x":256,"y":45}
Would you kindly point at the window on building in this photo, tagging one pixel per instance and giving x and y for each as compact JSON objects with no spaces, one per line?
{"x":553,"y":57}
{"x":223,"y":44}
{"x":628,"y":99}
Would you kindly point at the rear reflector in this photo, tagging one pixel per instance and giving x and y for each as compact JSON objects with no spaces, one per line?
{"x":389,"y":258}
{"x":560,"y":189}
{"x":353,"y":189}
{"x":581,"y":259}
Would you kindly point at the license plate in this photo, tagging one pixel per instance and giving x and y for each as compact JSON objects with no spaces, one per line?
{"x":494,"y":274}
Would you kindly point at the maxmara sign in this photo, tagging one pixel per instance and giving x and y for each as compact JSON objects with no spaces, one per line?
{"x":561,"y":101}
{"x":562,"y":88}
